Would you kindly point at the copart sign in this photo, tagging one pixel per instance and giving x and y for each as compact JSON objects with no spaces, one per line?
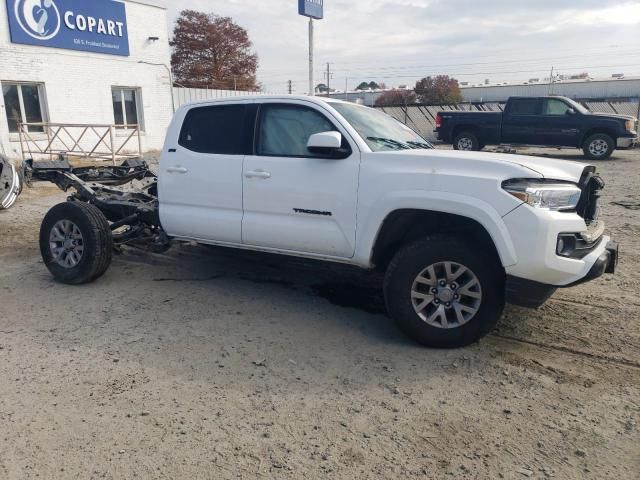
{"x":98,"y":26}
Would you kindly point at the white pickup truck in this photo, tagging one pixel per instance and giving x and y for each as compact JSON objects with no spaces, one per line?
{"x":457,"y":233}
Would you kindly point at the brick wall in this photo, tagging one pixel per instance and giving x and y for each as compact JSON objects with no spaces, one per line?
{"x":78,"y":84}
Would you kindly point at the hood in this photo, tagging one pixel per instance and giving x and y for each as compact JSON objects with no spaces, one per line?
{"x":549,"y":168}
{"x":613,"y":115}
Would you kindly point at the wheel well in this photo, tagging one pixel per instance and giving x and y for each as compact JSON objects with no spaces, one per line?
{"x":595,"y":131}
{"x":404,"y":226}
{"x":464,"y":128}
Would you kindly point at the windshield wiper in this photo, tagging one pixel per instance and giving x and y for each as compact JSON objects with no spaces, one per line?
{"x":421,"y":145}
{"x":389,"y":141}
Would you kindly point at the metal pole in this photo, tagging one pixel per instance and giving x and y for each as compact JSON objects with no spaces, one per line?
{"x":113,"y":147}
{"x":139,"y":141}
{"x":173,"y":101}
{"x":311,"y":86}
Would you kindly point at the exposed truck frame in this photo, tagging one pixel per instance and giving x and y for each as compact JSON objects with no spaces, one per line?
{"x":133,"y":211}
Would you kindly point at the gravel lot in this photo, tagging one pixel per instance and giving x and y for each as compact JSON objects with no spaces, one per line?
{"x":210,"y":364}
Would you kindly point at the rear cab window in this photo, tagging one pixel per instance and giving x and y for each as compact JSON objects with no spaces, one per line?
{"x":524,"y":106}
{"x":218,"y":129}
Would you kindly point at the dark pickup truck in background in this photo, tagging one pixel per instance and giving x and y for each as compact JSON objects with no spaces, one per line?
{"x":539,"y":121}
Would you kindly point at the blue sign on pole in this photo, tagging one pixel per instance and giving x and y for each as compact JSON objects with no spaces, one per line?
{"x":98,"y":26}
{"x":311,"y":8}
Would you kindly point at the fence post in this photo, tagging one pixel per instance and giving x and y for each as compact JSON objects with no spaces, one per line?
{"x":112,"y":145}
{"x":139,"y":142}
{"x":49,"y":141}
{"x":20,"y":127}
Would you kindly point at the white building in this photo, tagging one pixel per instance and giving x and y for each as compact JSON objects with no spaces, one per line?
{"x":621,"y":89}
{"x":84,"y":62}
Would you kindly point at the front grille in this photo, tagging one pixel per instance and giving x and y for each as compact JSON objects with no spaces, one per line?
{"x":591,"y":185}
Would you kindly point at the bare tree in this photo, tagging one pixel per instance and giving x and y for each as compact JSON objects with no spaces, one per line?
{"x":212,"y":51}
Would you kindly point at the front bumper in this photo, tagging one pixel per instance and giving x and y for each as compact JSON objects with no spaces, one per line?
{"x":531,"y":294}
{"x":627,"y":142}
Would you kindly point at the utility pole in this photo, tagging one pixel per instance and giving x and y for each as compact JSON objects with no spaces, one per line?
{"x":328,"y":75}
{"x":290,"y":87}
{"x":551,"y":82}
{"x":311,"y":87}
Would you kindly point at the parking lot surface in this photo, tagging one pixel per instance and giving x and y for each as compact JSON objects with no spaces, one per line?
{"x":204,"y":363}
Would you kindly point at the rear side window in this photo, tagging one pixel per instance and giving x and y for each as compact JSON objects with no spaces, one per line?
{"x":524,"y":106}
{"x":215,"y":129}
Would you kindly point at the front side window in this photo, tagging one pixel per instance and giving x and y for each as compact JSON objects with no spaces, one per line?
{"x":215,"y":129}
{"x":555,"y":107}
{"x":23,"y":104}
{"x":285,"y":129}
{"x":126,"y":113}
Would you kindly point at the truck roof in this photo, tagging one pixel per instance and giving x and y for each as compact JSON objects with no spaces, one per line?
{"x":241,"y":98}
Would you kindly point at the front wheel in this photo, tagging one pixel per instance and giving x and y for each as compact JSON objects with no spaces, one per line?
{"x":76,"y":242}
{"x":444,"y":293}
{"x":598,"y":147}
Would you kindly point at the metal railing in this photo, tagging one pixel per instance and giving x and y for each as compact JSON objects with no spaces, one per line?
{"x":94,"y":141}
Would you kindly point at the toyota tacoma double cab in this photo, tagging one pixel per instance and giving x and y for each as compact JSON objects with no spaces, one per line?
{"x":539,"y":121}
{"x":457,"y":234}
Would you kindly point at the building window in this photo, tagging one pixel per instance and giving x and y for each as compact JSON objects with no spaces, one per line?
{"x":126,"y":113}
{"x":23,"y":103}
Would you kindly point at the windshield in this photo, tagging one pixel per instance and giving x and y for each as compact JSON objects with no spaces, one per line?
{"x":576,"y":106}
{"x":379,"y":130}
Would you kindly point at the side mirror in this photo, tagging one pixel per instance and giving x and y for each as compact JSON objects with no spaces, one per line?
{"x":327,"y":144}
{"x":571,"y":111}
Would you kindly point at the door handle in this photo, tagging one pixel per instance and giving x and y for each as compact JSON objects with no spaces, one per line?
{"x":177,"y":170}
{"x":258,"y":174}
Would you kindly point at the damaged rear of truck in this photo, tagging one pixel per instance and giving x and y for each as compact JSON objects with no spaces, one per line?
{"x":111,"y":206}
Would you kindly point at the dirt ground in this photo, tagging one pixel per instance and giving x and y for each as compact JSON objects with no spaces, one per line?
{"x":208,"y":364}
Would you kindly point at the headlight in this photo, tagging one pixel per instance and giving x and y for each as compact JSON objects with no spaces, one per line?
{"x":556,"y":196}
{"x":630,"y":125}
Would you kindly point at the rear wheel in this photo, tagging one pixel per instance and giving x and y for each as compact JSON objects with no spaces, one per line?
{"x":76,"y":242}
{"x":599,"y":146}
{"x":466,"y":141}
{"x":444,"y":293}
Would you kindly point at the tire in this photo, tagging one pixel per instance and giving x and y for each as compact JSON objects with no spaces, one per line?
{"x":466,"y":141}
{"x":413,"y":260}
{"x":599,"y":146}
{"x":76,"y":242}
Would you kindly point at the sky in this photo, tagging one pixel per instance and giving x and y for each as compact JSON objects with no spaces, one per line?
{"x":397,"y":42}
